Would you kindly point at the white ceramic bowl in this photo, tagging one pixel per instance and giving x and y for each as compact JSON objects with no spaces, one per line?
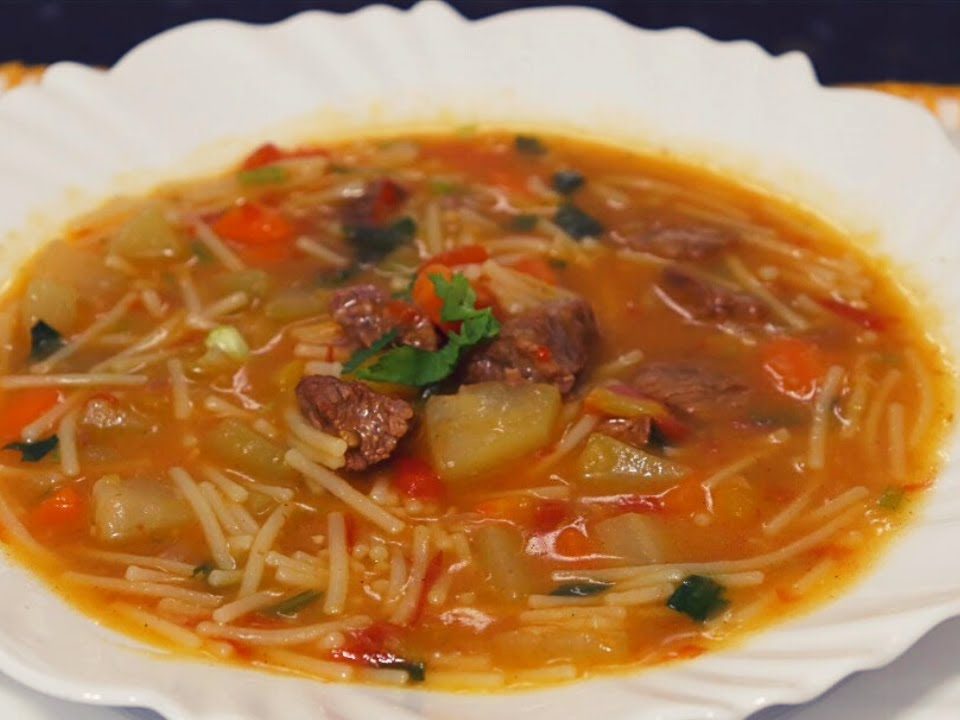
{"x":194,"y":98}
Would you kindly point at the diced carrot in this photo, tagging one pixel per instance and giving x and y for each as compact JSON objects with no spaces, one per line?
{"x":466,"y":255}
{"x":254,"y":224}
{"x":794,"y":365}
{"x":538,"y":268}
{"x":415,"y":478}
{"x":863,"y":318}
{"x":19,"y":408}
{"x":685,"y":499}
{"x":425,"y":294}
{"x":573,"y":542}
{"x":65,"y":510}
{"x":268,"y":154}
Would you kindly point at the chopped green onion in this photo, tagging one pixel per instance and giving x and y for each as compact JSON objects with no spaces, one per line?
{"x":524,"y":223}
{"x":35,"y":451}
{"x":576,"y":223}
{"x":580,"y":589}
{"x":267,"y":175}
{"x":567,"y":181}
{"x":698,"y":597}
{"x":228,"y":340}
{"x":44,"y":340}
{"x":292,"y":606}
{"x":891,"y":499}
{"x":529,"y":145}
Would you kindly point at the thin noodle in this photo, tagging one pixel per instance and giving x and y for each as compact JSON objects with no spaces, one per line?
{"x":34,"y":430}
{"x":927,"y":404}
{"x":408,"y":602}
{"x":337,"y":585}
{"x":225,"y":517}
{"x":67,"y":434}
{"x":182,"y":405}
{"x":146,"y":589}
{"x":16,"y":382}
{"x":262,"y":544}
{"x":227,"y":486}
{"x":191,"y":299}
{"x":15,"y":529}
{"x":160,"y":626}
{"x":837,"y":504}
{"x":135,"y":573}
{"x":822,"y":408}
{"x":216,"y":246}
{"x":897,"y":440}
{"x":167,"y":565}
{"x":740,"y":271}
{"x":859,"y":395}
{"x":327,"y":444}
{"x":212,"y":531}
{"x":792,"y":511}
{"x":285,"y":636}
{"x":875,"y":414}
{"x":321,"y":252}
{"x":152,"y":303}
{"x":238,"y":608}
{"x":572,"y":437}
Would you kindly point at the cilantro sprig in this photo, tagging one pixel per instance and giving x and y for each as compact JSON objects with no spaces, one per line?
{"x":407,"y":365}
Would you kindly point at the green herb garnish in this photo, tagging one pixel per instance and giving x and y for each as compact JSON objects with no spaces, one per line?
{"x":443,"y":187}
{"x":698,"y":597}
{"x":412,"y":366}
{"x":201,"y":252}
{"x":292,"y":606}
{"x":417,"y":670}
{"x":35,"y":451}
{"x":44,"y":340}
{"x":373,"y":243}
{"x":204,"y":570}
{"x":580,"y":589}
{"x":267,"y":175}
{"x":361,"y":356}
{"x":524,"y":223}
{"x":891,"y":499}
{"x":576,"y":223}
{"x":529,"y":145}
{"x":567,"y":181}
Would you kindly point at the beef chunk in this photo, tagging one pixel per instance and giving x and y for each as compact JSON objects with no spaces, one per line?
{"x":703,"y":301}
{"x":371,"y":423}
{"x":376,"y":204}
{"x":634,"y":431}
{"x":692,"y":390}
{"x":547,"y":344}
{"x":679,"y":240}
{"x":366,"y":313}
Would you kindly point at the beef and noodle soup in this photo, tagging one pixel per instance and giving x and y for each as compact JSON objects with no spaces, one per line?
{"x":473,"y":411}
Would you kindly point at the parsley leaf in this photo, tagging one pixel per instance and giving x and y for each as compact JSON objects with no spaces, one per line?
{"x":373,"y":243}
{"x":44,"y":340}
{"x":576,"y":223}
{"x":412,"y":366}
{"x":698,"y":597}
{"x":292,"y":606}
{"x":364,"y":354}
{"x":580,"y":589}
{"x":267,"y":175}
{"x":529,"y":145}
{"x":35,"y":451}
{"x":567,"y":181}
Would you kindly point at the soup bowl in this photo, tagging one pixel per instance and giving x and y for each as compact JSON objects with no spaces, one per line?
{"x":192,"y":99}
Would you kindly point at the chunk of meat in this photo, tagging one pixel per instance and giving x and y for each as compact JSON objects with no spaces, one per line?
{"x":691,"y":390}
{"x":704,"y":301}
{"x":375,"y":205}
{"x":679,"y":240}
{"x":371,"y":423}
{"x":366,"y":313}
{"x":546,"y":344}
{"x":633,"y":431}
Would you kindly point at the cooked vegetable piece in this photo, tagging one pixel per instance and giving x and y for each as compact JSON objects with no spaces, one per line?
{"x":148,"y":236}
{"x":247,"y":450}
{"x":20,"y":408}
{"x":576,"y":223}
{"x":529,"y":145}
{"x":544,"y":645}
{"x":503,"y":423}
{"x":291,"y":606}
{"x":253,"y":281}
{"x":296,"y":304}
{"x":137,"y":508}
{"x":698,"y":597}
{"x":50,"y":302}
{"x":500,"y":552}
{"x":415,"y":478}
{"x":567,"y":181}
{"x":607,"y":459}
{"x":44,"y":341}
{"x":891,"y":499}
{"x":587,"y":588}
{"x":34,"y":451}
{"x":252,"y":224}
{"x":794,"y":365}
{"x":228,"y":340}
{"x":373,"y":243}
{"x":634,"y":537}
{"x":524,"y":223}
{"x":65,"y":510}
{"x":266,"y":175}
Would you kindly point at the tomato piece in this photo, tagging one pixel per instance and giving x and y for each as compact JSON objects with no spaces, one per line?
{"x":268,"y":154}
{"x":538,"y":268}
{"x":794,"y":365}
{"x":548,"y":515}
{"x":864,"y":318}
{"x":573,"y":542}
{"x":425,"y":294}
{"x":254,"y":224}
{"x":415,"y":478}
{"x":65,"y":510}
{"x":466,"y":255}
{"x":19,"y":408}
{"x":386,"y":200}
{"x":685,"y":499}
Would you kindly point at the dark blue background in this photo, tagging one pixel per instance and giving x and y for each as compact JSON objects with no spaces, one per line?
{"x":855,"y":40}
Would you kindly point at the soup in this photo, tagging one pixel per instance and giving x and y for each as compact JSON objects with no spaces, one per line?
{"x":475,"y":411}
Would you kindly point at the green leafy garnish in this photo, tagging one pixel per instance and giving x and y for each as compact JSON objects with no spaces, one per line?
{"x":44,"y":340}
{"x":698,"y":597}
{"x":529,"y":145}
{"x":891,"y":499}
{"x":35,"y":451}
{"x":412,"y":366}
{"x":567,"y":181}
{"x":439,"y":186}
{"x":417,"y":670}
{"x":292,"y":606}
{"x":204,"y":570}
{"x":524,"y":223}
{"x":576,"y":223}
{"x":580,"y":589}
{"x":267,"y":175}
{"x":373,"y":243}
{"x":361,"y":356}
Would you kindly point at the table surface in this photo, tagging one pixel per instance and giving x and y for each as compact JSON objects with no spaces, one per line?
{"x":923,"y":684}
